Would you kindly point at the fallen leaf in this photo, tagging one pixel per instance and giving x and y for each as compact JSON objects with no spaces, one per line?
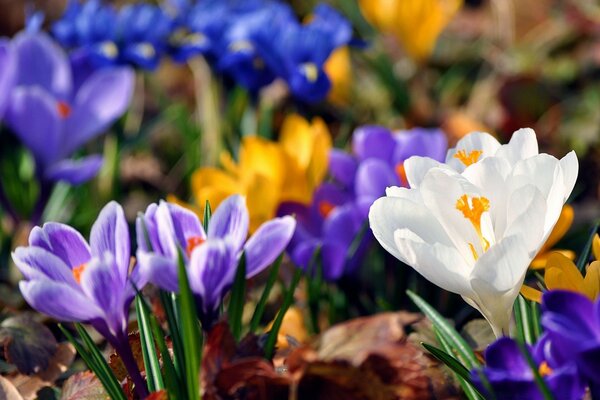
{"x":8,"y":390}
{"x":160,"y":395}
{"x":28,"y":344}
{"x":29,"y":385}
{"x":252,"y":378}
{"x":83,"y":386}
{"x":115,"y":363}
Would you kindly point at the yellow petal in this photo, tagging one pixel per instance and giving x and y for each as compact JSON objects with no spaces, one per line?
{"x":320,"y":158}
{"x":297,"y":139}
{"x":229,"y":164}
{"x":531,"y":294}
{"x":339,"y":71}
{"x":259,"y":156}
{"x":565,"y":220}
{"x":262,"y":199}
{"x":561,"y":273}
{"x":540,"y":261}
{"x":213,"y":185}
{"x":591,"y":282}
{"x":380,"y":13}
{"x":296,"y":187}
{"x":596,"y":247}
{"x":292,"y":325}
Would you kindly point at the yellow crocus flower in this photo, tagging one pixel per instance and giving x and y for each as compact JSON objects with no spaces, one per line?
{"x":269,"y":173}
{"x":339,"y":71}
{"x":560,"y":229}
{"x":415,"y":23}
{"x":562,"y":273}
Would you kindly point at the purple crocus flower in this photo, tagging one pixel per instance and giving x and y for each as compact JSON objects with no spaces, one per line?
{"x":573,"y":325}
{"x":52,"y":117}
{"x":340,"y":208}
{"x":71,"y":280}
{"x":511,"y":378}
{"x":7,"y":73}
{"x":211,"y":258}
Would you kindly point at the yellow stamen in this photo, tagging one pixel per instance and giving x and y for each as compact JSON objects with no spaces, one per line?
{"x":109,"y":49}
{"x":401,"y":172}
{"x":311,"y":71}
{"x":192,"y":243}
{"x":77,"y":272}
{"x":470,"y":158}
{"x":544,"y":369}
{"x":472,"y":210}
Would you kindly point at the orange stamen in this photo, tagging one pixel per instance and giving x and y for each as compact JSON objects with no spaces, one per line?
{"x":325,"y":208}
{"x":401,"y":172}
{"x":470,"y":158}
{"x":473,"y":210}
{"x":77,"y":272}
{"x":64,"y":110}
{"x":544,"y":369}
{"x":192,"y":243}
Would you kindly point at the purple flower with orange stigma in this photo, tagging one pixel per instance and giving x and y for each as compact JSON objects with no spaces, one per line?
{"x":52,"y":117}
{"x":211,"y":258}
{"x":511,"y":378}
{"x":71,"y":280}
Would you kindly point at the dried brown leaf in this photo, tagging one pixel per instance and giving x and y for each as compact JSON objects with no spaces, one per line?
{"x":83,"y":386}
{"x":115,"y":363}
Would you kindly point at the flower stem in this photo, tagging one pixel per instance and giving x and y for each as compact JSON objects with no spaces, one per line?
{"x":7,"y":206}
{"x":42,"y":201}
{"x":121,"y":345}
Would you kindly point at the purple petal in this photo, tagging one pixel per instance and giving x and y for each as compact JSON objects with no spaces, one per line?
{"x":185,"y":224}
{"x":38,"y":263}
{"x":75,"y":172}
{"x":230,"y":220}
{"x":504,"y":354}
{"x":110,"y":234}
{"x":373,"y":141}
{"x":589,"y":363}
{"x":102,"y":99}
{"x":342,"y":225}
{"x":41,"y":62}
{"x":62,"y":241}
{"x":58,"y":300}
{"x":373,"y":177}
{"x":33,"y":116}
{"x":146,"y":231}
{"x":102,"y":283}
{"x":570,"y":316}
{"x":423,"y":142}
{"x":333,"y":257}
{"x":342,"y":166}
{"x":7,"y":73}
{"x":211,"y":271}
{"x":159,"y":270}
{"x":269,"y":240}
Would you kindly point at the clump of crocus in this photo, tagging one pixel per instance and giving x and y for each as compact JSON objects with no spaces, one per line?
{"x":473,"y":225}
{"x":510,"y":376}
{"x":167,"y":230}
{"x":338,"y":212}
{"x":70,"y":279}
{"x":269,"y":173}
{"x":416,"y":24}
{"x":53,"y":117}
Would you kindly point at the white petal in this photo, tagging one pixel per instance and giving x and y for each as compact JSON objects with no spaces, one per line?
{"x":480,"y":141}
{"x":416,"y":167}
{"x":526,"y":214}
{"x":523,"y":144}
{"x":570,"y":168}
{"x":442,"y":265}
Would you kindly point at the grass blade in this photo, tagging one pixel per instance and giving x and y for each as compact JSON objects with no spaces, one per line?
{"x":207,"y":216}
{"x":236,"y":300}
{"x":523,"y":320}
{"x":262,"y":302}
{"x":449,"y":360}
{"x":287,"y":302}
{"x":314,"y":280}
{"x":457,"y":344}
{"x":151,"y":362}
{"x":172,"y":321}
{"x":190,"y":332}
{"x":541,"y":383}
{"x":584,"y":256}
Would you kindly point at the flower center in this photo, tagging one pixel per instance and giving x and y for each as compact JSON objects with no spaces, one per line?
{"x":325,"y":208}
{"x":544,"y":369}
{"x":472,"y":209}
{"x":64,"y":110}
{"x":192,"y":243}
{"x":109,"y":49}
{"x":471,"y":158}
{"x":310,"y":71}
{"x":401,"y":172}
{"x":77,"y":272}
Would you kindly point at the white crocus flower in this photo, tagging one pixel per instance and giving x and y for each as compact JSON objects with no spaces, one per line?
{"x":474,"y":230}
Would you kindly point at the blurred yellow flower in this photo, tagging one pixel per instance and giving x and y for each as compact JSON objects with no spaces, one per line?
{"x":293,"y":326}
{"x":415,"y":23}
{"x":560,"y":229}
{"x":339,"y":70}
{"x":562,"y":273}
{"x":269,"y":173}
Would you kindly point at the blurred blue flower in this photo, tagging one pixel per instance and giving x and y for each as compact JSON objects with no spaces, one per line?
{"x":7,"y":73}
{"x":52,"y":117}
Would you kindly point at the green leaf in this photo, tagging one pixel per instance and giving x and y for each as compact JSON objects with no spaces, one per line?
{"x":584,"y":256}
{"x":167,"y":301}
{"x":458,"y":345}
{"x":99,"y":367}
{"x":207,"y":216}
{"x":449,"y":360}
{"x":260,"y":307}
{"x":523,"y":321}
{"x":236,"y":300}
{"x":151,"y":362}
{"x":190,"y":332}
{"x":314,"y":279}
{"x":287,"y":302}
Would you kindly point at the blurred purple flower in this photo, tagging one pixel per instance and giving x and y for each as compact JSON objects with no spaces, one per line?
{"x":7,"y":73}
{"x":71,"y":280}
{"x":54,"y":119}
{"x":511,"y":377}
{"x":211,"y":259}
{"x":572,"y":322}
{"x":340,"y":208}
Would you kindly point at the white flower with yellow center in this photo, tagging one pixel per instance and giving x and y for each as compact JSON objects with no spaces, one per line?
{"x":473,"y":226}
